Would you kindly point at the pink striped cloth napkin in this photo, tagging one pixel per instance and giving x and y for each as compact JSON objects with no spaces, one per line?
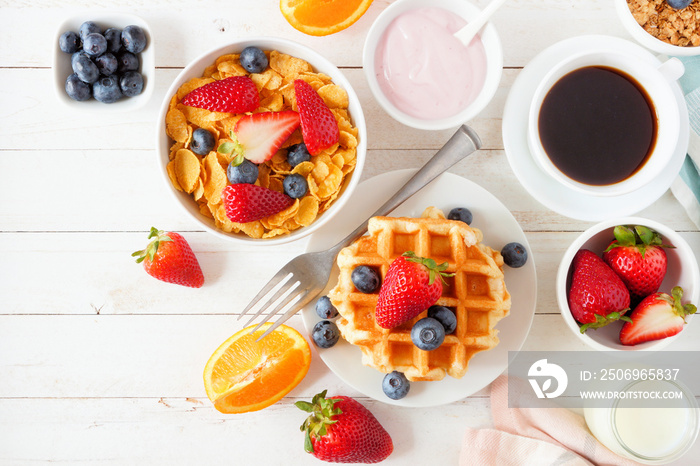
{"x":533,"y":436}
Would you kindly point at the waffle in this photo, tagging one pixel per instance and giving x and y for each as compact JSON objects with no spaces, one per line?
{"x":477,"y":293}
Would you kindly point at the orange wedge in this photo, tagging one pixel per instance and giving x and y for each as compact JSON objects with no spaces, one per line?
{"x":244,"y":375}
{"x":322,"y":17}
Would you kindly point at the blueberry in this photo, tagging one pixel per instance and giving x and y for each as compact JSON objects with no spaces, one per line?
{"x":69,"y":42}
{"x":514,"y":255}
{"x":95,"y":44}
{"x":427,"y":334}
{"x":114,"y":39}
{"x":462,"y":214}
{"x":325,"y":308}
{"x":106,"y":89}
{"x":395,"y":385}
{"x":127,"y":62}
{"x":295,"y":186}
{"x":76,"y":55}
{"x":77,"y":89}
{"x":85,"y":68}
{"x":253,"y":60}
{"x":298,"y":153}
{"x":134,"y":39}
{"x":365,"y":279}
{"x":245,"y":172}
{"x":679,"y":4}
{"x":325,"y":334}
{"x":202,"y":141}
{"x":131,"y":83}
{"x":445,"y":316}
{"x":88,"y":27}
{"x":107,"y":64}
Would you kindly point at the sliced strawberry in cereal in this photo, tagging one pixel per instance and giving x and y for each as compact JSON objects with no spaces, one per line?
{"x":248,"y":202}
{"x":260,"y":135}
{"x":236,"y":94}
{"x":318,"y":125}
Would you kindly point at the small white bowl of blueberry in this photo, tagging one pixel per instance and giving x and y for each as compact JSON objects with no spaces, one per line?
{"x":104,"y":62}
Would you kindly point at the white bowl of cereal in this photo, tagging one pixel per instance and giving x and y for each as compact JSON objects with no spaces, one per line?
{"x":420,"y":74}
{"x":661,"y":28}
{"x":198,"y":181}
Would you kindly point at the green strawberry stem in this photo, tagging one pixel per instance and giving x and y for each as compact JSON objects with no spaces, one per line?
{"x":675,"y":301}
{"x":322,"y":410}
{"x":152,"y":248}
{"x":434,"y":269}
{"x":602,"y":321}
{"x":231,"y":147}
{"x":637,"y":236}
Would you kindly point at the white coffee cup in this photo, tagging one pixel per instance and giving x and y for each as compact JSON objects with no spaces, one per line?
{"x":655,"y":79}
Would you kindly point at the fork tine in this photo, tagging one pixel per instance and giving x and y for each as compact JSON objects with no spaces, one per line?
{"x":288,"y":286}
{"x":306,"y":297}
{"x":293,"y":292}
{"x":278,"y":278}
{"x":288,"y":299}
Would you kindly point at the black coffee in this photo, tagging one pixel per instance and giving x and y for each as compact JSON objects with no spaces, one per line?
{"x":597,"y":125}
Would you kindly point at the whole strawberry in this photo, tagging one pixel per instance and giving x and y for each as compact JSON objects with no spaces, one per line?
{"x":658,"y":316}
{"x":341,"y":430}
{"x":236,"y":94}
{"x":248,"y":202}
{"x":412,"y":284}
{"x":168,"y":257}
{"x":319,"y":128}
{"x":597,"y":295}
{"x":638,"y":257}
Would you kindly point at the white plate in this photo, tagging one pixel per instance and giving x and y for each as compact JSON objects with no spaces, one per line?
{"x":553,"y":195}
{"x":499,"y":228}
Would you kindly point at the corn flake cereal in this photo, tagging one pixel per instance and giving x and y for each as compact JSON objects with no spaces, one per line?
{"x":307,"y":212}
{"x":334,"y":96}
{"x":204,"y":177}
{"x":186,"y":168}
{"x":215,"y":178}
{"x":176,"y":125}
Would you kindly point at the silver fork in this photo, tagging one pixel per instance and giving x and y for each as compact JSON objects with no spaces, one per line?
{"x":305,"y":276}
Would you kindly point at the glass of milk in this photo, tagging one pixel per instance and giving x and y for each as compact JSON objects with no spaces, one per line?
{"x":648,"y":435}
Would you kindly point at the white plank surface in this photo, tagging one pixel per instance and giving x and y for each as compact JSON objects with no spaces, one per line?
{"x":101,"y":364}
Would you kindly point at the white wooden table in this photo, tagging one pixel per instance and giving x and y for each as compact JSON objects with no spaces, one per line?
{"x":101,"y":364}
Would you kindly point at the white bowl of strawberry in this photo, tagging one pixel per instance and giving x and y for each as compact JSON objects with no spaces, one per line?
{"x":628,"y":284}
{"x":262,"y":141}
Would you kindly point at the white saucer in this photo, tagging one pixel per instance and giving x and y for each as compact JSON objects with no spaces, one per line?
{"x":499,"y":228}
{"x":541,"y":186}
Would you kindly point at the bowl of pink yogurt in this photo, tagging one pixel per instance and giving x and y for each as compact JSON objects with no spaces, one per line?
{"x":420,"y":74}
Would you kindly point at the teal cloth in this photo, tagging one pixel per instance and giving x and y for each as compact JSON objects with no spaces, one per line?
{"x":686,"y":188}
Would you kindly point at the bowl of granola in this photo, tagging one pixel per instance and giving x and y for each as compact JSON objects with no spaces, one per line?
{"x":661,"y":27}
{"x":261,"y":141}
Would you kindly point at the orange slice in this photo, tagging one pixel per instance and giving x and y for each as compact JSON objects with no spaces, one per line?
{"x":322,"y":17}
{"x":244,"y":375}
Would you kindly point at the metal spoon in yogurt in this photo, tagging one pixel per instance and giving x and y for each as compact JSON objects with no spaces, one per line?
{"x":467,"y":33}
